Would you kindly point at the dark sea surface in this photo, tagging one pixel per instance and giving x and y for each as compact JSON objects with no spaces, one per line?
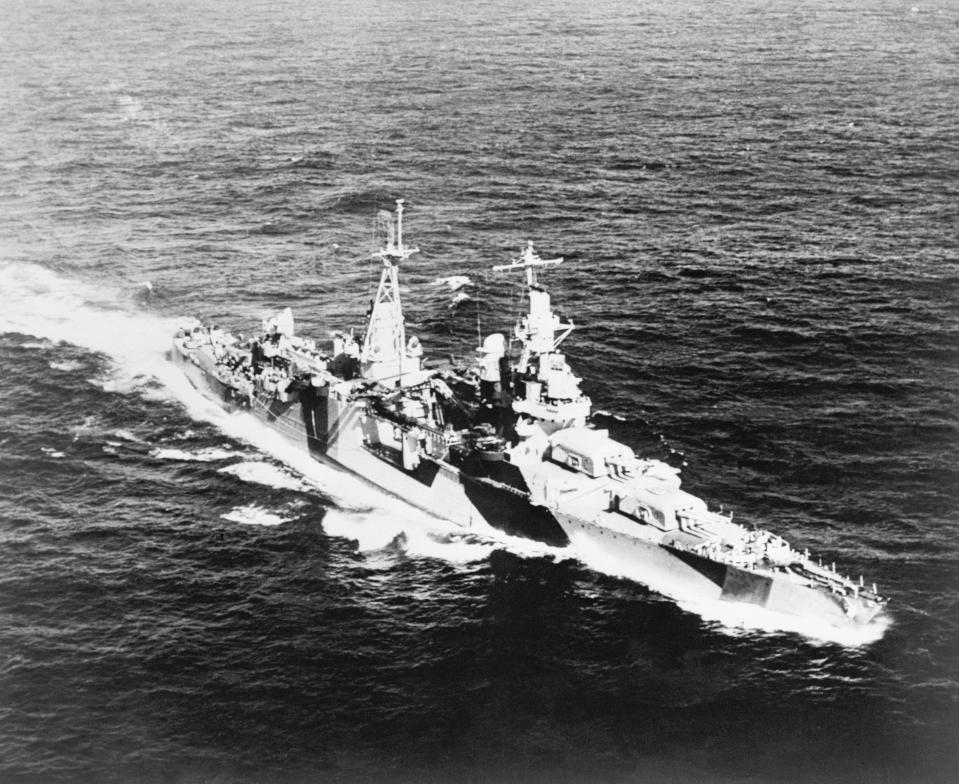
{"x":757,"y":204}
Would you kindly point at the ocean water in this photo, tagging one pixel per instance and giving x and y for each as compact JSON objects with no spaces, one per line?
{"x":756,"y":202}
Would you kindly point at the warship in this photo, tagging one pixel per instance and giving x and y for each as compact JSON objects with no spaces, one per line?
{"x":504,"y":440}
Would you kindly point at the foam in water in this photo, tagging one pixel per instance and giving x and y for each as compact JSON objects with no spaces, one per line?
{"x":251,"y":514}
{"x":454,"y":282}
{"x":67,"y":366}
{"x":258,"y":472}
{"x":41,"y":303}
{"x":126,"y":435}
{"x":371,"y":530}
{"x":209,"y":455}
{"x":455,"y":549}
{"x":88,"y":425}
{"x":427,"y":537}
{"x":739,"y":618}
{"x":458,"y":298}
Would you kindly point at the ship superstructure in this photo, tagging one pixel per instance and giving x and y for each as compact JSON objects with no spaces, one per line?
{"x":503,"y":441}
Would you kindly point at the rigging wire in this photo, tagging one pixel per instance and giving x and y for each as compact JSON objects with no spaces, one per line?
{"x":369,"y":288}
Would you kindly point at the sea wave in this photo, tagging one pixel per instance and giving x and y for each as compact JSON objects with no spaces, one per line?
{"x":252,"y":514}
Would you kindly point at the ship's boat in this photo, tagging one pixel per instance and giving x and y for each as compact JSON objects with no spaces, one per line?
{"x":504,"y":441}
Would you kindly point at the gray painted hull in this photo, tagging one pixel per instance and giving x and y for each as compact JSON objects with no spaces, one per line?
{"x":334,"y":429}
{"x":685,"y":576}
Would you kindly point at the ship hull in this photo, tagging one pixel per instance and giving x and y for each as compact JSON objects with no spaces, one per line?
{"x":690,"y":577}
{"x":335,"y":430}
